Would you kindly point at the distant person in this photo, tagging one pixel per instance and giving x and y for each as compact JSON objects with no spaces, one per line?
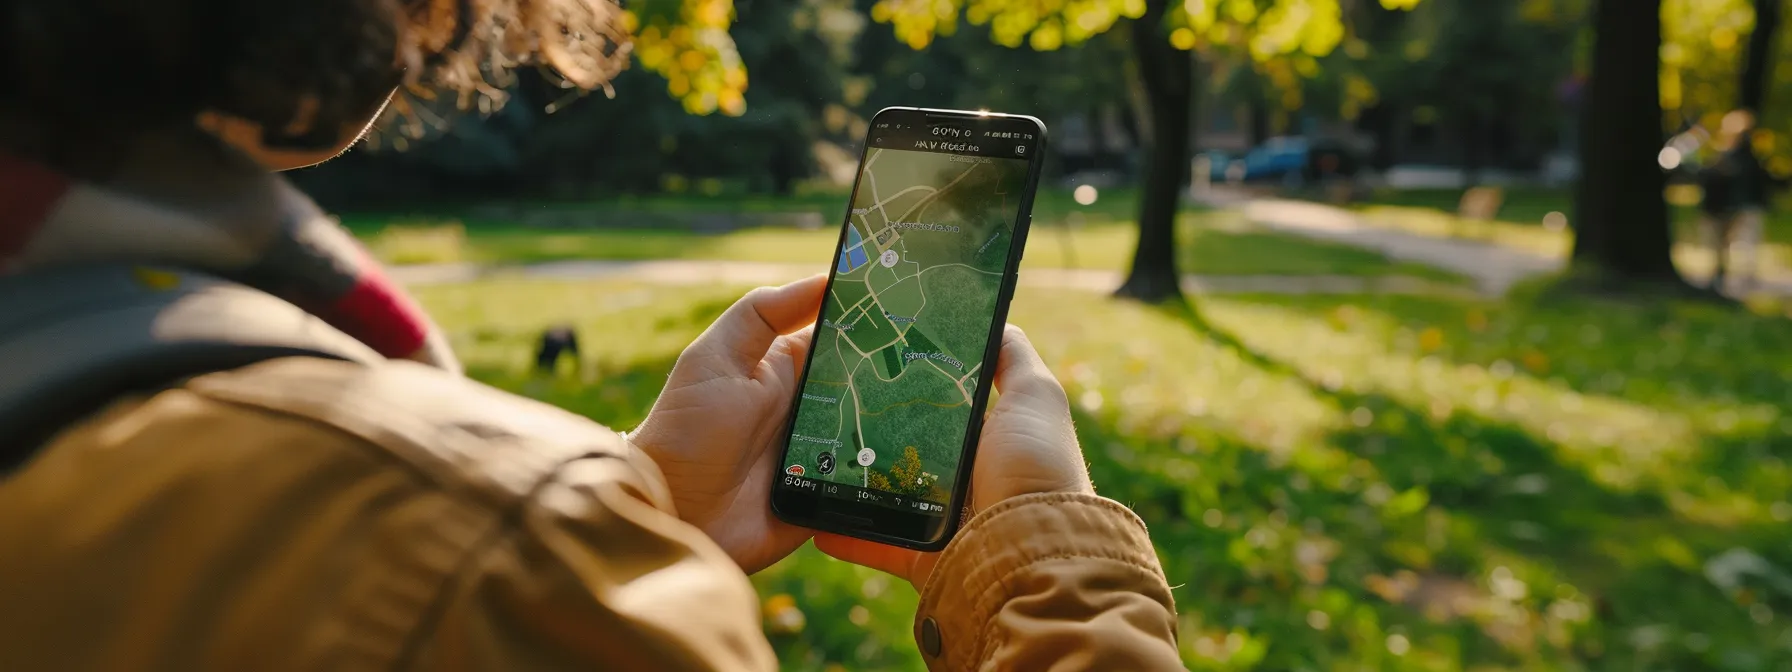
{"x":1732,"y":210}
{"x":365,"y":507}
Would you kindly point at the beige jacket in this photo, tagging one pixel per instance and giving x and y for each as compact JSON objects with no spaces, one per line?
{"x":305,"y":514}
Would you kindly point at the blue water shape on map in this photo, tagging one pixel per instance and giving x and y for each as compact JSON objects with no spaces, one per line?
{"x":854,"y":256}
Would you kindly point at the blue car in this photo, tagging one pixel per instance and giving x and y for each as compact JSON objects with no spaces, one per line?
{"x":1280,"y":158}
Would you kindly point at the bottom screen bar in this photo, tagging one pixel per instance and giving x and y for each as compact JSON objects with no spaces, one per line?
{"x":853,"y":493}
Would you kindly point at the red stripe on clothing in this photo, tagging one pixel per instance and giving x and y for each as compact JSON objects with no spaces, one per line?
{"x":382,"y":317}
{"x":28,"y":192}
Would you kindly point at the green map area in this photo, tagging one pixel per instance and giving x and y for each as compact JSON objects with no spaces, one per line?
{"x":899,"y":349}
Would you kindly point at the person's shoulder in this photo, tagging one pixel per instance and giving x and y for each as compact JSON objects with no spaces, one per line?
{"x":455,"y":431}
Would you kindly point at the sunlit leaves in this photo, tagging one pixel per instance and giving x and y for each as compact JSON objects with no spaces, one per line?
{"x":1043,"y":25}
{"x":1702,"y":42}
{"x":691,"y":48}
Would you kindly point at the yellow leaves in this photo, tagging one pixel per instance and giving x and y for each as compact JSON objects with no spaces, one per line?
{"x":1535,"y":361}
{"x":1672,"y":93}
{"x":1702,"y":42}
{"x":1182,"y":38}
{"x":1673,"y":54}
{"x":1048,"y":37}
{"x":691,"y":60}
{"x":1723,"y":39}
{"x":1477,"y":320}
{"x":696,"y":56}
{"x":714,"y":13}
{"x":917,"y":22}
{"x":1241,"y":11}
{"x":1361,"y":90}
{"x":1306,"y":65}
{"x":732,"y":102}
{"x":1201,"y":15}
{"x":1431,"y":339}
{"x":1399,"y":4}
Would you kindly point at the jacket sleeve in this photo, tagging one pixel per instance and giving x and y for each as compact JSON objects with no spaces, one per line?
{"x":1049,"y":583}
{"x":594,"y":574}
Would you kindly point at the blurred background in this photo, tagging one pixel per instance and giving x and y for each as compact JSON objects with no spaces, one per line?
{"x":1397,"y":320}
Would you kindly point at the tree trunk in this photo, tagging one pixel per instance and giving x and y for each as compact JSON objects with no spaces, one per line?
{"x":1471,"y":148}
{"x":1167,"y":77}
{"x":1099,"y":151}
{"x":1757,"y":64}
{"x":1621,"y":229}
{"x":1259,"y":113}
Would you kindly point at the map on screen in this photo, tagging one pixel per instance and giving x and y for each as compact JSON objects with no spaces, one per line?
{"x":903,"y":331}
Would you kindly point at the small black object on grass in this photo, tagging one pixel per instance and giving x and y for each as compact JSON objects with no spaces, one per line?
{"x":556,"y":342}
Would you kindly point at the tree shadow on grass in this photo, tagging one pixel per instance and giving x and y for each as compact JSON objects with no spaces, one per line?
{"x":1651,"y":352}
{"x":1491,"y":493}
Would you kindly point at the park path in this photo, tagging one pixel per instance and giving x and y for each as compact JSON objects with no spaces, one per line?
{"x":707,"y":272}
{"x":1493,"y":268}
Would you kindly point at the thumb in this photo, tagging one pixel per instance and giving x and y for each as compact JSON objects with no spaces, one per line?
{"x":739,"y":339}
{"x":912,"y":566}
{"x":1020,"y":370}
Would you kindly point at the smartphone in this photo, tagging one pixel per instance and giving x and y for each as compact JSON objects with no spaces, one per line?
{"x":883,"y":430}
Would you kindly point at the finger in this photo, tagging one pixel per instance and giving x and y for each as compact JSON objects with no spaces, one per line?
{"x":1020,"y":370}
{"x":911,"y":566}
{"x":740,"y":338}
{"x":788,"y":355}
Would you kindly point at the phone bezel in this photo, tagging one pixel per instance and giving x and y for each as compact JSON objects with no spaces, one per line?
{"x":899,"y":528}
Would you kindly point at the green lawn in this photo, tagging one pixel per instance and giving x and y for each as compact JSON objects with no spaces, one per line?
{"x":1211,"y":243}
{"x":1519,"y":223}
{"x":1376,"y":483}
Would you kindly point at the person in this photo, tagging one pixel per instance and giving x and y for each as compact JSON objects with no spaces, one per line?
{"x":1732,"y":209}
{"x":385,"y":512}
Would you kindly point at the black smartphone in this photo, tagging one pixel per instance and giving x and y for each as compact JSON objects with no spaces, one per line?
{"x":884,"y":427}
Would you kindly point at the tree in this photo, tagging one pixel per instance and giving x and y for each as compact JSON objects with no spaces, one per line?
{"x":1621,"y":227}
{"x":1164,"y":33}
{"x":1757,"y":66}
{"x":906,"y":477}
{"x":1166,"y":74}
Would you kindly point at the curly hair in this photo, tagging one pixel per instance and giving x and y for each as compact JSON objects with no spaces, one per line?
{"x":301,"y":69}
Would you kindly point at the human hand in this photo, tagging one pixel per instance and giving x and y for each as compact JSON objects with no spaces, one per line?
{"x":716,"y":428}
{"x":1028,"y":446}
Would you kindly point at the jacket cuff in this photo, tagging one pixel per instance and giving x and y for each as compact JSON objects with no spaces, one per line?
{"x":975,"y":574}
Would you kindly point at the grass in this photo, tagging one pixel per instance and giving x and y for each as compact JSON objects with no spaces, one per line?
{"x":1388,"y":483}
{"x":1211,"y":243}
{"x":1519,"y":224}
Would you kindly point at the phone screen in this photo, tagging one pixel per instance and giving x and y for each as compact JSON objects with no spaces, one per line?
{"x":905,"y":329}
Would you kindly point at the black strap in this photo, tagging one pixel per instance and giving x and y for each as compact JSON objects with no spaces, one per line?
{"x":74,"y":339}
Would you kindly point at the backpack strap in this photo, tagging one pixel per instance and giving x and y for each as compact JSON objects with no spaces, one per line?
{"x":74,"y":339}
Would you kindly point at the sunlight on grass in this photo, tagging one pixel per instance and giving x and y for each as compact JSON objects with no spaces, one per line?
{"x":1438,"y":220}
{"x":1334,"y":482}
{"x":1212,"y":243}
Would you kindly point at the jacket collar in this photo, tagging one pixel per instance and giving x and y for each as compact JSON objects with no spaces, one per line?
{"x":190,"y":203}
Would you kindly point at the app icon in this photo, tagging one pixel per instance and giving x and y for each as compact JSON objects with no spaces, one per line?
{"x":866,"y":457}
{"x":824,"y":463}
{"x":795,"y":470}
